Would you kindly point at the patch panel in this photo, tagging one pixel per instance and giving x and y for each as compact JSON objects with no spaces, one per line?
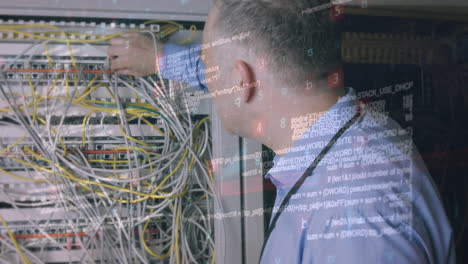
{"x":93,"y":167}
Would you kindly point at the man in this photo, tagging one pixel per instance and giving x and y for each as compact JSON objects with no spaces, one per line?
{"x":351,"y":188}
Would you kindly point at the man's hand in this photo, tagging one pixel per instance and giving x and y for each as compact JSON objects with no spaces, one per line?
{"x":133,"y":54}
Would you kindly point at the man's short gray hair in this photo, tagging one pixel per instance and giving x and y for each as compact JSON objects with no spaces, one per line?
{"x":300,"y":44}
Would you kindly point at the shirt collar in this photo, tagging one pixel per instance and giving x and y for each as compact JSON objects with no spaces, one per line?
{"x":290,"y":167}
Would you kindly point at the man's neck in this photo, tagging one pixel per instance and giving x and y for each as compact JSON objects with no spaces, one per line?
{"x":290,"y":123}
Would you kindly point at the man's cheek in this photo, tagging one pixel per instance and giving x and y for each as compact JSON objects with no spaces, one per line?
{"x":258,"y":128}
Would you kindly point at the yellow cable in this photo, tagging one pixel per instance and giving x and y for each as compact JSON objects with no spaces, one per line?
{"x":168,"y":32}
{"x":134,"y":111}
{"x":147,"y":249}
{"x":177,"y":234}
{"x":69,"y":176}
{"x":193,"y":28}
{"x":29,"y":26}
{"x":86,"y":92}
{"x":38,"y":100}
{"x":83,"y":128}
{"x":71,"y":54}
{"x":15,"y":243}
{"x":49,"y":59}
{"x":110,"y":93}
{"x":164,"y":30}
{"x":102,"y":109}
{"x":131,"y":138}
{"x":29,"y":151}
{"x":67,"y":88}
{"x":83,"y":182}
{"x":136,"y":95}
{"x":114,"y":166}
{"x":65,"y":33}
{"x":153,"y":126}
{"x":149,"y":106}
{"x":99,"y":109}
{"x":36,"y":36}
{"x":161,"y":184}
{"x":109,"y":161}
{"x":8,"y":148}
{"x":53,"y":86}
{"x":9,"y":28}
{"x":193,"y":158}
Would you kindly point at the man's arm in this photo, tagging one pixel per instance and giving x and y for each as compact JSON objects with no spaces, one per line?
{"x":134,"y":54}
{"x":183,"y":63}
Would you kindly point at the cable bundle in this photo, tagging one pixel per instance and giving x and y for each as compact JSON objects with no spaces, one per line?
{"x":125,"y":198}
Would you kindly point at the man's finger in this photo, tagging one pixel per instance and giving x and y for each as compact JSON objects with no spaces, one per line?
{"x":118,"y":41}
{"x":129,"y":35}
{"x":115,"y":51}
{"x":120,"y":63}
{"x":129,"y":72}
{"x":123,"y":72}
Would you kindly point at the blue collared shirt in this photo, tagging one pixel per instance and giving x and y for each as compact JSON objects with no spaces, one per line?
{"x":370,"y":199}
{"x":183,"y":63}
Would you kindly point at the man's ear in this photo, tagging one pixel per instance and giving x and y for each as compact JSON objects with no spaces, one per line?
{"x":247,"y":80}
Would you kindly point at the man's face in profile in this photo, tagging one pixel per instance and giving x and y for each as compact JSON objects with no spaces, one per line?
{"x":217,"y":81}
